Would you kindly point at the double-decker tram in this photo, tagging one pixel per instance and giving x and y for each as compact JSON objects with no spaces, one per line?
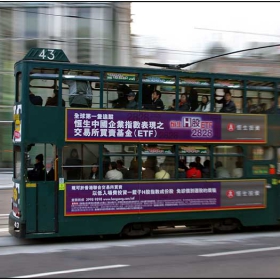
{"x":107,"y":150}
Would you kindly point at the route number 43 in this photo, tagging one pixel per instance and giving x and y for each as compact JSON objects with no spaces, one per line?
{"x":47,"y":54}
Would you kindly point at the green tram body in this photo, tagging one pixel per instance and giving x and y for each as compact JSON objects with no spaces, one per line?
{"x":40,"y":206}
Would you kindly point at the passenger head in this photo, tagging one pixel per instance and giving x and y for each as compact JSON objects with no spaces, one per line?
{"x":218,"y":164}
{"x":113,"y":165}
{"x":249,"y":101}
{"x":197,"y":159}
{"x":39,"y":158}
{"x":94,"y":168}
{"x":262,"y":107}
{"x":120,"y":163}
{"x":227,"y":96}
{"x":183,"y":98}
{"x":206,"y":163}
{"x":205,"y":99}
{"x":192,"y":165}
{"x":156,"y":95}
{"x":74,"y":153}
{"x":131,"y":96}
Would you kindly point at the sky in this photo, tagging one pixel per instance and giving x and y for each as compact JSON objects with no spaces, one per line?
{"x":192,"y":26}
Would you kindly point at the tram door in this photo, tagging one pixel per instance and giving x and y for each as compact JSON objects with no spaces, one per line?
{"x":41,"y":202}
{"x":46,"y":206}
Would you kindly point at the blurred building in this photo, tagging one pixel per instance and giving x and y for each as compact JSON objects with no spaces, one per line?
{"x":88,"y":32}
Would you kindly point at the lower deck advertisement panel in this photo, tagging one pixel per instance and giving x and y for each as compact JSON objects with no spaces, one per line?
{"x":92,"y":198}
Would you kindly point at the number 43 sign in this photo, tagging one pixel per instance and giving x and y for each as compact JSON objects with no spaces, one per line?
{"x":46,"y":55}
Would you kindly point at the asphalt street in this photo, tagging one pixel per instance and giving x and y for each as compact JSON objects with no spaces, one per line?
{"x":249,"y":255}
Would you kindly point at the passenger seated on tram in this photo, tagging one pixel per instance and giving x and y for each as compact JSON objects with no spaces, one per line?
{"x":169,"y":163}
{"x":38,"y":172}
{"x":272,"y":109}
{"x":113,"y":173}
{"x":221,"y":172}
{"x":204,"y":105}
{"x":157,"y":103}
{"x":228,"y":104}
{"x":121,"y":102}
{"x":250,"y":105}
{"x":262,"y":108}
{"x":133,"y":169}
{"x":53,"y":101}
{"x":184,"y":105}
{"x":206,"y":169}
{"x":147,"y":91}
{"x":94,"y":174}
{"x":75,"y":172}
{"x":193,"y":100}
{"x":35,"y":99}
{"x":193,"y":172}
{"x":182,"y":168}
{"x":122,"y":169}
{"x":149,"y":167}
{"x":172,"y":107}
{"x":198,"y":164}
{"x":51,"y":173}
{"x":132,"y":104}
{"x":238,"y":171}
{"x":162,"y":174}
{"x":80,"y":93}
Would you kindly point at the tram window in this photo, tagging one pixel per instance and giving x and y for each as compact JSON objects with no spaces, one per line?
{"x":80,"y":88}
{"x":125,"y":157}
{"x":151,"y":160}
{"x":158,"y":167}
{"x":168,"y":94}
{"x":19,"y":87}
{"x":78,"y":160}
{"x":258,"y":102}
{"x":260,"y":153}
{"x":228,"y":167}
{"x":226,"y":163}
{"x":48,"y":152}
{"x":164,"y":84}
{"x":17,"y":161}
{"x":205,"y":94}
{"x":42,"y":84}
{"x":198,"y":154}
{"x":115,"y":95}
{"x":236,"y":97}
